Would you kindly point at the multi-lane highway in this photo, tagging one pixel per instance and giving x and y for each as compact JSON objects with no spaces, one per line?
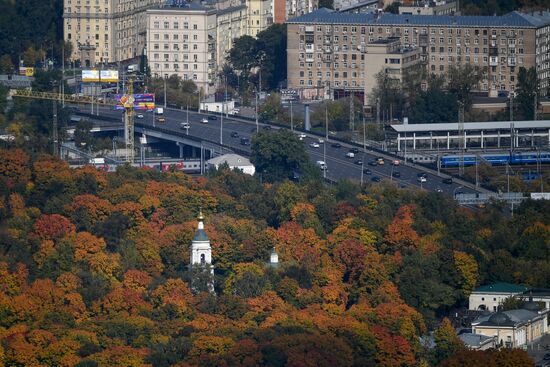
{"x":339,"y":166}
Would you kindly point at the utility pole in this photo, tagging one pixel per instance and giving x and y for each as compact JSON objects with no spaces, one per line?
{"x":291,"y":117}
{"x":351,"y":112}
{"x":221,"y":122}
{"x":511,"y":106}
{"x":257,"y":125}
{"x":535,"y":107}
{"x":325,"y":144}
{"x":378,"y":111}
{"x":129,"y":121}
{"x":63,"y":75}
{"x":461,"y":139}
{"x":54,"y":132}
{"x":163,"y":77}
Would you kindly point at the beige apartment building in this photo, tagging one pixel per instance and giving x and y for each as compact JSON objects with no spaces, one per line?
{"x":258,"y":15}
{"x":103,"y":31}
{"x":182,"y":41}
{"x":326,"y":49}
{"x":231,"y":23}
{"x":391,"y":57}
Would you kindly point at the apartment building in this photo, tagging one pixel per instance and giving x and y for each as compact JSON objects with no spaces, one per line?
{"x":258,"y":15}
{"x":182,"y":41}
{"x":287,"y":9}
{"x":542,"y":44}
{"x":391,"y":57}
{"x":231,"y":23}
{"x":326,"y":49}
{"x":429,"y":7}
{"x":103,"y":31}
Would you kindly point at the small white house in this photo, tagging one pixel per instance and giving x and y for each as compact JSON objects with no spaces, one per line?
{"x":233,"y":161}
{"x":210,"y":105}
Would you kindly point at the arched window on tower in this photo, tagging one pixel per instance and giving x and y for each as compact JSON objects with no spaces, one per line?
{"x":203,"y":259}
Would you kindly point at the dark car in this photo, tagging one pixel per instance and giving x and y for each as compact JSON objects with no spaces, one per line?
{"x":421,"y":174}
{"x":234,"y":134}
{"x":245,"y":141}
{"x":267,"y":127}
{"x":354,"y":150}
{"x":359,"y":162}
{"x":375,"y":179}
{"x":373,"y":163}
{"x":212,"y":117}
{"x":367,"y":171}
{"x":396,"y":174}
{"x":546,"y":357}
{"x":336,"y":145}
{"x":448,"y":181}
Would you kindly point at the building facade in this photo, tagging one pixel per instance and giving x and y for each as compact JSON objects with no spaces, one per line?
{"x":430,"y":8}
{"x":231,"y":23}
{"x":103,"y":31}
{"x":326,"y":49}
{"x":387,"y":55}
{"x":283,"y":10}
{"x":258,"y":13}
{"x":490,"y":296}
{"x":182,"y":41}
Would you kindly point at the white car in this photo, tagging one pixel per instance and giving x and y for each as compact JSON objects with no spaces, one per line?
{"x":422,"y":179}
{"x":314,"y":145}
{"x":204,"y":120}
{"x":321,"y":141}
{"x":302,"y":136}
{"x":185,"y":125}
{"x":139,"y":116}
{"x":350,"y":155}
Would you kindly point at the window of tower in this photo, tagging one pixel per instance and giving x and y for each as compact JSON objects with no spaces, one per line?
{"x":203,"y":259}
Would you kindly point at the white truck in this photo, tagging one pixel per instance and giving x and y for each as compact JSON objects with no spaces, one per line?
{"x":159,"y":110}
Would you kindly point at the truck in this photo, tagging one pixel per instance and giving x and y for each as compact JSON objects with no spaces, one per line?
{"x":159,"y":111}
{"x":133,"y":68}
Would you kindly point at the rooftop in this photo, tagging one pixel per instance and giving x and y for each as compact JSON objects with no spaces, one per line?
{"x":506,"y":318}
{"x":474,"y":340}
{"x":475,"y":126}
{"x":500,"y":287}
{"x":232,"y":160}
{"x":511,"y":20}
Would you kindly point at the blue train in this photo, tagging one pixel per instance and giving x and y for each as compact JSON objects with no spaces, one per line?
{"x":497,"y":159}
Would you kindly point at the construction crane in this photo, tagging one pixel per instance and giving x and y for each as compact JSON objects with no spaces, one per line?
{"x":127,"y":102}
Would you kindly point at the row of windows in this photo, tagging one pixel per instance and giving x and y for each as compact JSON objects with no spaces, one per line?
{"x":185,"y":66}
{"x":176,"y":47}
{"x":485,"y":50}
{"x":166,"y":25}
{"x":503,"y":41}
{"x":328,"y":73}
{"x":156,"y":36}
{"x":388,"y":30}
{"x":335,"y":83}
{"x":167,"y":56}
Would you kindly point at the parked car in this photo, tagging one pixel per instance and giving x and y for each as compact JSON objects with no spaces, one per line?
{"x":336,"y":145}
{"x":234,"y":134}
{"x":350,"y":155}
{"x":314,"y":145}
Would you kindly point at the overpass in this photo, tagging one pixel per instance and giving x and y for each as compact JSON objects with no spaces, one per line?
{"x":216,"y":138}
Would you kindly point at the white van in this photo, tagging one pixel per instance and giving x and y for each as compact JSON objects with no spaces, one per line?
{"x":322,"y":165}
{"x":350,"y":155}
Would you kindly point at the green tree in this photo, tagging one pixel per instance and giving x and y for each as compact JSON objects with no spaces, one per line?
{"x":276,"y":155}
{"x":329,"y":4}
{"x":388,"y":92}
{"x":462,"y":79}
{"x":393,"y":8}
{"x":6,"y":66}
{"x":526,"y":89}
{"x":446,"y":341}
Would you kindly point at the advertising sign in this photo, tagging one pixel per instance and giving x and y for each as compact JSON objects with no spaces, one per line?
{"x":26,"y":71}
{"x":99,"y":76}
{"x":141,"y":101}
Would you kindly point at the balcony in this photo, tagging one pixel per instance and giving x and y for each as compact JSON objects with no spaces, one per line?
{"x":310,"y":48}
{"x":511,"y":61}
{"x":327,"y":50}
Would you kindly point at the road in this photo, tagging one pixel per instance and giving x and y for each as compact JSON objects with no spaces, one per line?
{"x":338,"y":165}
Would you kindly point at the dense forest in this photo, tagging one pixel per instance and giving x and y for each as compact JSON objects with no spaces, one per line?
{"x":94,"y":269}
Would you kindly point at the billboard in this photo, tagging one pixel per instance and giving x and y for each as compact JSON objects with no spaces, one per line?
{"x":100,"y":76}
{"x":26,"y":71}
{"x":141,"y":101}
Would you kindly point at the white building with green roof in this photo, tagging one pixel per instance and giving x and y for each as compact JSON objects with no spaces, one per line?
{"x":490,"y":296}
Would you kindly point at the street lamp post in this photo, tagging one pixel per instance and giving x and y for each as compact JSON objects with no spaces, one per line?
{"x":291,"y":117}
{"x":257,"y":125}
{"x":164,"y":78}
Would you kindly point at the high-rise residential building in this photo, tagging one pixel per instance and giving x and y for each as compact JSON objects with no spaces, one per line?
{"x":259,"y":17}
{"x":387,"y":55}
{"x":326,"y":49}
{"x":182,"y":41}
{"x":283,"y":10}
{"x":102,"y":31}
{"x":231,"y":23}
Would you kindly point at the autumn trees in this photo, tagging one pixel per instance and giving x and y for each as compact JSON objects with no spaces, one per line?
{"x":94,"y":269}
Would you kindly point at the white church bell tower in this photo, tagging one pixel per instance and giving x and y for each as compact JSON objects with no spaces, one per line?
{"x":201,"y":252}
